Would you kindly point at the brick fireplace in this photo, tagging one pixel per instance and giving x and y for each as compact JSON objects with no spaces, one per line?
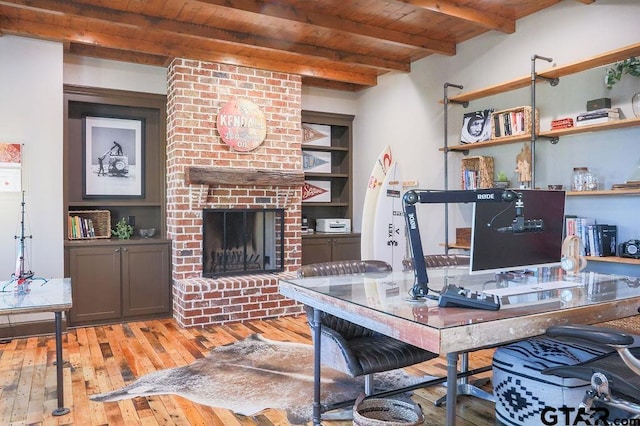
{"x":204,"y":173}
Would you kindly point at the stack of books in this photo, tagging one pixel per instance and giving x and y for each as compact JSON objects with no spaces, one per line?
{"x":597,"y":239}
{"x":561,"y":123}
{"x":598,"y":116}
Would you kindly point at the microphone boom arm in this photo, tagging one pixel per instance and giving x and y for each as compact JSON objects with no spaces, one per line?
{"x":412,"y":197}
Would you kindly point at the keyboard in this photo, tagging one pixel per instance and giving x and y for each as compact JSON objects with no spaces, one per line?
{"x":453,"y":295}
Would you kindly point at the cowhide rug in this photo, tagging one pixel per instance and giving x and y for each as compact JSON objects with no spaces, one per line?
{"x":252,"y":375}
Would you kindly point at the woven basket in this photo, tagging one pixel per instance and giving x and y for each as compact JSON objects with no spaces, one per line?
{"x":386,"y":412}
{"x":483,"y":165}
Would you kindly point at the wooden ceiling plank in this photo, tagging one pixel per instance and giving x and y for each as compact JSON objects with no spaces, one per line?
{"x":57,"y":31}
{"x":489,"y":21}
{"x":337,"y":24}
{"x":206,"y":33}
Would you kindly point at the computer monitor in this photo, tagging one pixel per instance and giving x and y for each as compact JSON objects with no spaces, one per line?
{"x":496,"y":248}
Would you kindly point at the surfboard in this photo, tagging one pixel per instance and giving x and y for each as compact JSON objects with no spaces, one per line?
{"x":378,"y":172}
{"x":389,"y":236}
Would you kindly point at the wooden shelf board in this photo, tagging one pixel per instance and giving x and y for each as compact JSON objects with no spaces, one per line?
{"x":619,"y":124}
{"x":491,"y":142}
{"x":326,"y":175}
{"x":324,"y":148}
{"x":554,"y":72}
{"x":459,"y":246}
{"x":611,"y":125}
{"x":114,"y":203}
{"x":612,"y":192}
{"x":614,"y":259}
{"x":320,"y":204}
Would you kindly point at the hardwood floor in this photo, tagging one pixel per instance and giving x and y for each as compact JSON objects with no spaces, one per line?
{"x":103,"y":358}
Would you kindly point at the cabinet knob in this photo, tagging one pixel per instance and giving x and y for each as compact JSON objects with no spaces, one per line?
{"x":124,"y":249}
{"x":116,"y":250}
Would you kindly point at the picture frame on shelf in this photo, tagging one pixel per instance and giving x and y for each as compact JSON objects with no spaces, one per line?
{"x":476,"y":126}
{"x":113,"y":157}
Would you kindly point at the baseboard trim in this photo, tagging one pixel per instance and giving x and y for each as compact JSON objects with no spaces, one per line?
{"x":30,"y":328}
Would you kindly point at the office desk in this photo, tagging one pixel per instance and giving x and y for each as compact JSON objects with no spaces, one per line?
{"x":52,"y":296}
{"x":380,"y":303}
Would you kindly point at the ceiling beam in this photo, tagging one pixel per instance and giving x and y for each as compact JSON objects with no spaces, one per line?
{"x":262,"y":8}
{"x":150,"y":42}
{"x":111,"y":16}
{"x":469,"y":14}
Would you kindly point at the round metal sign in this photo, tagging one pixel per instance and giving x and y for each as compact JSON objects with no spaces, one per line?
{"x":242,"y":125}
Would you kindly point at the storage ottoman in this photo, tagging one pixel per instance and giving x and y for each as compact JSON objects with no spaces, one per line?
{"x":522,"y":392}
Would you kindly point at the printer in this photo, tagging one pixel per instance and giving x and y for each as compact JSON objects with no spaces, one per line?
{"x":333,"y":225}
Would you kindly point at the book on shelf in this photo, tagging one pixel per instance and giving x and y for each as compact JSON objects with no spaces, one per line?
{"x":80,"y":227}
{"x":591,"y":121}
{"x":575,"y":225}
{"x":603,"y":112}
{"x":470,"y":179}
{"x":597,"y":239}
{"x":511,"y":122}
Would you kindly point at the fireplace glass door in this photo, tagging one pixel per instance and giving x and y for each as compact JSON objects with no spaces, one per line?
{"x":239,"y":241}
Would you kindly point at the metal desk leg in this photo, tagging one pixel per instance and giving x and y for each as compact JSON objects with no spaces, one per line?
{"x":466,"y":388}
{"x":452,"y":388}
{"x":317,"y":410}
{"x":61,"y":410}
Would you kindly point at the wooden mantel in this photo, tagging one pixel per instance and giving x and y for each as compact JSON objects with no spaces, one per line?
{"x":197,"y":175}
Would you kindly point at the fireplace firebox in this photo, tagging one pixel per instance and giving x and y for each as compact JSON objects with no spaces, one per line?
{"x":242,"y":241}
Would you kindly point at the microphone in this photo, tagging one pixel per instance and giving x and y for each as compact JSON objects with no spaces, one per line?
{"x":521,"y":225}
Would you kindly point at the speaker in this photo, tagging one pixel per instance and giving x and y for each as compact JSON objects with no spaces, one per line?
{"x":572,"y":260}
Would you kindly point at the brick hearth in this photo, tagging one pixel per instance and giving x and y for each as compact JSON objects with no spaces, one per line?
{"x":196,"y":92}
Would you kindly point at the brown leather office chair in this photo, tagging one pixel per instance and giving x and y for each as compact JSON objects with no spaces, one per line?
{"x":351,"y":348}
{"x":439,"y":261}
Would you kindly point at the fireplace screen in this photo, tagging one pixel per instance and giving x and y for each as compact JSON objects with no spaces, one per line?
{"x":242,"y":241}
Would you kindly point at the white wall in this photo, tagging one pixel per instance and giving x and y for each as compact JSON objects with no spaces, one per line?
{"x":31,"y":114}
{"x":91,"y":72}
{"x":404,"y":111}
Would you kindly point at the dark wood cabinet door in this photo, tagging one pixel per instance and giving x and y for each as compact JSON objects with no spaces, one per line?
{"x":145,"y":279}
{"x":316,"y":250}
{"x":95,"y":284}
{"x":326,"y":249}
{"x":346,"y":248}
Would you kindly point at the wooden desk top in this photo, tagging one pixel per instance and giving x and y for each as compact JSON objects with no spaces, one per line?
{"x":381,"y":304}
{"x":53,"y":295}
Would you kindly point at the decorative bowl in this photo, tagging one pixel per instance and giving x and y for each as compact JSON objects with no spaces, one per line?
{"x":147,"y":232}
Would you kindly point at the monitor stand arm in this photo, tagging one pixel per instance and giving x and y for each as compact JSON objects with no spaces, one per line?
{"x":411,"y":198}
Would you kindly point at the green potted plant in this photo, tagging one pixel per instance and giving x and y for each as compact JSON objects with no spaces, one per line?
{"x":123,"y":230}
{"x":614,"y":74}
{"x":629,"y":66}
{"x":501,"y":180}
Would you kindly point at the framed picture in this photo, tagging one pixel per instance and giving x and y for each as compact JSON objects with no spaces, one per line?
{"x":476,"y":126}
{"x":10,"y":167}
{"x":113,"y":165}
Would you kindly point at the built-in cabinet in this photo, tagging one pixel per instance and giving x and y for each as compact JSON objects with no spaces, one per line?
{"x":322,"y":248}
{"x":116,"y":279}
{"x":327,"y":161}
{"x":551,"y":76}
